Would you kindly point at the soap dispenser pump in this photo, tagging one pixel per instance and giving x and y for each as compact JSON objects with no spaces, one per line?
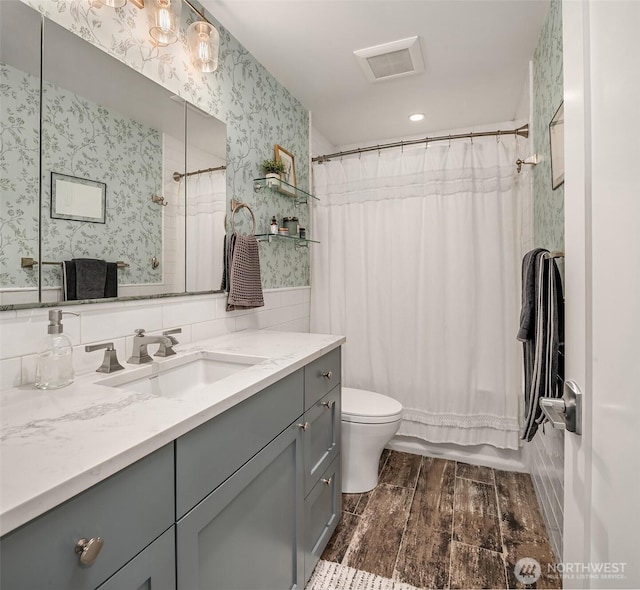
{"x":54,"y":368}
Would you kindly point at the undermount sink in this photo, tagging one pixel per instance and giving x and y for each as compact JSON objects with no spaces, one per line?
{"x":182,"y":374}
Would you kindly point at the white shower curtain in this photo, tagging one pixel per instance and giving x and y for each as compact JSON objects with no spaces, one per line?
{"x":419,"y":267}
{"x":206,"y":207}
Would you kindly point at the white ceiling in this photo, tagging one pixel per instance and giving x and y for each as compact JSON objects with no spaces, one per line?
{"x":475,"y":51}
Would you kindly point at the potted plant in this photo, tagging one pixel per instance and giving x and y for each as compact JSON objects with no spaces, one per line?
{"x":273,"y":169}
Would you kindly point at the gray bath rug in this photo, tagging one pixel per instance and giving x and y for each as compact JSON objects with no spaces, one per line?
{"x":333,"y":576}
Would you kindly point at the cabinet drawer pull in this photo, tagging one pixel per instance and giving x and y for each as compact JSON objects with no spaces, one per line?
{"x":328,"y":375}
{"x":327,"y":482}
{"x":328,"y":404}
{"x":304,"y":426}
{"x":88,"y":550}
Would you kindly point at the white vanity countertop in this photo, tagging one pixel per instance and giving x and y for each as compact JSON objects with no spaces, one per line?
{"x":56,"y":444}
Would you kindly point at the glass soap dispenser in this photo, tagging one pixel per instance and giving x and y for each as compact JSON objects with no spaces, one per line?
{"x":54,"y":368}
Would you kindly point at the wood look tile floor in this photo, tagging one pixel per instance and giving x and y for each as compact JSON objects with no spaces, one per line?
{"x":434,"y":523}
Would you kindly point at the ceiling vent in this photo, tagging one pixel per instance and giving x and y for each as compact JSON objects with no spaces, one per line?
{"x":391,"y":60}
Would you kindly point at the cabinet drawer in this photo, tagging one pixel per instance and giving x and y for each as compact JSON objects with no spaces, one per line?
{"x":209,"y":454}
{"x":321,"y":376}
{"x":322,"y":509}
{"x":321,"y":440}
{"x":128,"y":510}
{"x":154,"y":568}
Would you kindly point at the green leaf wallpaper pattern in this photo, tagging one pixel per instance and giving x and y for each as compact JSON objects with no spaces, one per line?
{"x":258,"y":111}
{"x":19,"y":170}
{"x":548,"y":87}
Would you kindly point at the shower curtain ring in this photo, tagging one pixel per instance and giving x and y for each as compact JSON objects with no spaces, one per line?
{"x":402,"y":147}
{"x":449,"y":140}
{"x":498,"y":136}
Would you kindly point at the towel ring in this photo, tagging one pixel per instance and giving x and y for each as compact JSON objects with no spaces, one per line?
{"x":236,"y":209}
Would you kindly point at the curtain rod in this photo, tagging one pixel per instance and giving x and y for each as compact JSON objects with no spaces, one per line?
{"x":521,"y":131}
{"x":177,"y":176}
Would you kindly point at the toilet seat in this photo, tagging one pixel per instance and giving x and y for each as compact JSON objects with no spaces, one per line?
{"x":368,"y":407}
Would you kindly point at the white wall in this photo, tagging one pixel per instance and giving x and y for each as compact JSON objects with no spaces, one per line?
{"x":200,"y":317}
{"x":320,"y":145}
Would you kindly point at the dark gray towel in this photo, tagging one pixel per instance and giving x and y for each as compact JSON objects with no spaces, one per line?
{"x":111,"y":285}
{"x":69,"y":280}
{"x":91,"y":278}
{"x":542,"y":334}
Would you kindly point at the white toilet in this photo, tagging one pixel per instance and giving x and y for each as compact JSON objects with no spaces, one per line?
{"x":369,"y":421}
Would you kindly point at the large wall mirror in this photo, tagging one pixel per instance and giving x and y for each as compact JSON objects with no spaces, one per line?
{"x":99,"y":163}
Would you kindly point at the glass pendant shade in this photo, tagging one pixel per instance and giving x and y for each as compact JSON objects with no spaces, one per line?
{"x":204,"y":41}
{"x":114,"y":3}
{"x":165,"y":20}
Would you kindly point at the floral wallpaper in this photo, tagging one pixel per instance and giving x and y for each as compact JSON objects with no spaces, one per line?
{"x":19,"y":162}
{"x":548,"y":204}
{"x":83,"y":139}
{"x":258,"y":111}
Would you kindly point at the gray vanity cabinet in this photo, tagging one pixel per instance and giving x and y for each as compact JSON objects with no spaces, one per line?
{"x":246,"y":534}
{"x":246,"y":501}
{"x":153,"y":569}
{"x":128,"y":511}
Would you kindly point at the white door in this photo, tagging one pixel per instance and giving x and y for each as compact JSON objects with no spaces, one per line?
{"x":602,"y":247}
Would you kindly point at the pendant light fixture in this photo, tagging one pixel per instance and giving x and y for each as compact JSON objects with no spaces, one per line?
{"x":204,"y":42}
{"x":203,"y":39}
{"x":165,"y":15}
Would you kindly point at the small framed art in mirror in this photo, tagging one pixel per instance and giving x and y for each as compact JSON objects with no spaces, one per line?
{"x":556,"y":137}
{"x":78,"y":199}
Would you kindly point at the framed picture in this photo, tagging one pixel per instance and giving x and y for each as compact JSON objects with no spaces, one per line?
{"x":78,"y":199}
{"x":289,"y":176}
{"x":556,"y":137}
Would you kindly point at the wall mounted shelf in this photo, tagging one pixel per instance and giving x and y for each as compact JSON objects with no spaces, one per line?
{"x":284,"y":188}
{"x":299,"y":242}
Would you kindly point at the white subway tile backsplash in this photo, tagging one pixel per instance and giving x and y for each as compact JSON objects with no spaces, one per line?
{"x":295,"y":296}
{"x":200,"y":317}
{"x":24,"y":334}
{"x":10,"y":373}
{"x":188,"y":312}
{"x":98,"y":326}
{"x":301,"y":325}
{"x":86,"y":362}
{"x":213,"y":328}
{"x":29,"y":368}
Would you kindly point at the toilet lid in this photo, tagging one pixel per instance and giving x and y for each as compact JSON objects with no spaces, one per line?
{"x":368,"y":407}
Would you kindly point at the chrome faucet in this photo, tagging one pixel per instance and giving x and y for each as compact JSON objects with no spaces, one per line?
{"x":140,"y":341}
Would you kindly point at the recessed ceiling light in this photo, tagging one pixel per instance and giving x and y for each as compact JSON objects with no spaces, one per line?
{"x":416,"y":117}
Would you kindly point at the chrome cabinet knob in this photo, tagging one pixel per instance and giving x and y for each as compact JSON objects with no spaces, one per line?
{"x":304,"y":426}
{"x":88,"y":550}
{"x":327,"y":482}
{"x":328,"y":404}
{"x":328,"y":375}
